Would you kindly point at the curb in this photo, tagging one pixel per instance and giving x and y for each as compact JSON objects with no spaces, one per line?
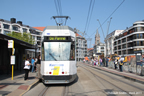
{"x":127,"y":77}
{"x":30,"y":87}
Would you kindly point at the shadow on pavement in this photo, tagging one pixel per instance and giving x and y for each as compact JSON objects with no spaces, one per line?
{"x":4,"y":93}
{"x":11,"y":83}
{"x":16,"y":73}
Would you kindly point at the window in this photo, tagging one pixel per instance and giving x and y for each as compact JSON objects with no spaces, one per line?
{"x":102,"y":47}
{"x":58,"y":51}
{"x":141,"y":43}
{"x":141,"y":36}
{"x":5,"y":32}
{"x":138,"y":44}
{"x":15,"y":28}
{"x":124,"y":46}
{"x":97,"y":41}
{"x":0,"y":30}
{"x":137,"y":36}
{"x":119,"y":41}
{"x":6,"y":26}
{"x":38,"y":38}
{"x":24,"y":29}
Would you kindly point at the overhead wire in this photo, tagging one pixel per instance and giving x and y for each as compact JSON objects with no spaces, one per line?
{"x":109,"y":16}
{"x":90,"y":11}
{"x":88,"y":16}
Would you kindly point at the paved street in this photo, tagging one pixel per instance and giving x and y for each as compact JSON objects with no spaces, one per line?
{"x":91,"y":82}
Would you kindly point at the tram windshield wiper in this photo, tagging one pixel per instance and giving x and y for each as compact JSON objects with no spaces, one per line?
{"x":53,"y":56}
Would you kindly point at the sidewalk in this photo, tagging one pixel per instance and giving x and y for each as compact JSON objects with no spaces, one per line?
{"x":18,"y":85}
{"x":131,"y":76}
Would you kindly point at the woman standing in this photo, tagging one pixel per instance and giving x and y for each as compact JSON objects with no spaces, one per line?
{"x":96,"y":62}
{"x":26,"y":68}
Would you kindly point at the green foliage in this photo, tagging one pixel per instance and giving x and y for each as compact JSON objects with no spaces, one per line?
{"x":26,"y":37}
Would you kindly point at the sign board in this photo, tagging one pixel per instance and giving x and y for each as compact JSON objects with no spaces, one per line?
{"x":12,"y":60}
{"x":10,"y":44}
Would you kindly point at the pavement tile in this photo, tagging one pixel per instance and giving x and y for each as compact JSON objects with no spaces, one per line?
{"x":17,"y":86}
{"x":23,"y":87}
{"x":16,"y":92}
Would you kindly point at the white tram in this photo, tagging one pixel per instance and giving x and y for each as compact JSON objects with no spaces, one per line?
{"x":58,"y":58}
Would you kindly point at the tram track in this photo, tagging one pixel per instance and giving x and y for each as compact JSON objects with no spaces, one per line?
{"x":47,"y":91}
{"x":119,"y":80}
{"x":96,"y":75}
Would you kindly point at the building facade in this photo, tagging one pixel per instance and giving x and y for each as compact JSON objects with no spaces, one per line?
{"x":18,"y":27}
{"x":109,"y":42}
{"x":130,"y":39}
{"x":81,"y":47}
{"x":99,"y":47}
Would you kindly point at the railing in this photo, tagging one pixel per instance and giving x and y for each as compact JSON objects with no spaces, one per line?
{"x":127,"y":67}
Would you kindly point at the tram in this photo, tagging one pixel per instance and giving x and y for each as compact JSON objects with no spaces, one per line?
{"x":58,"y":58}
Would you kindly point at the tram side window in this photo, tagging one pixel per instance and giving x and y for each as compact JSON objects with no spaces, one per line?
{"x":42,"y":51}
{"x":72,"y":52}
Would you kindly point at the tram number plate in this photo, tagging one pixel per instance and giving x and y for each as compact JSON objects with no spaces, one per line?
{"x":56,"y":70}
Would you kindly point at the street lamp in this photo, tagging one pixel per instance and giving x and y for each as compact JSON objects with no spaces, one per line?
{"x":36,"y":46}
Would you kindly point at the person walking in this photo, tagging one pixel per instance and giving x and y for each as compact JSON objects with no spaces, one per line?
{"x":32,"y":63}
{"x":100,"y":60}
{"x":96,"y":62}
{"x":39,"y":67}
{"x":107,"y":60}
{"x":35,"y":64}
{"x":103,"y":61}
{"x":115,"y":63}
{"x":26,"y":68}
{"x":120,"y":64}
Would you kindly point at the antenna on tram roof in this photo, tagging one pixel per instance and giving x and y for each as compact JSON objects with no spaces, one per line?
{"x":59,"y":24}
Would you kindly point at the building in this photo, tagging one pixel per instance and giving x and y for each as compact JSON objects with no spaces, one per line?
{"x":130,"y":39}
{"x":90,"y":52}
{"x":97,"y":38}
{"x":99,"y":47}
{"x":109,"y":42}
{"x":18,"y":27}
{"x":81,"y":47}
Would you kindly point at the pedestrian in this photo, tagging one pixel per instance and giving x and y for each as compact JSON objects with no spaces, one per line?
{"x":92,"y":61}
{"x":32,"y":64}
{"x":121,"y":63}
{"x":103,"y":61}
{"x":107,"y":60}
{"x":96,"y":62}
{"x":35,"y":64}
{"x":26,"y":68}
{"x":115,"y":63}
{"x":100,"y":60}
{"x":39,"y":67}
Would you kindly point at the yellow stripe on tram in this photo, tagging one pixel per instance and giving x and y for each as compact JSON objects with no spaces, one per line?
{"x":56,"y":70}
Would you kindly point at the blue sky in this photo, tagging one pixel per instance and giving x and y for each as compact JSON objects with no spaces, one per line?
{"x":39,"y":12}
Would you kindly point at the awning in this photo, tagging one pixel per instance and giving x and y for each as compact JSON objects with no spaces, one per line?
{"x":4,"y":38}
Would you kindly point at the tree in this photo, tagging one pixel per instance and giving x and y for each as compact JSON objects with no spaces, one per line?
{"x":26,"y":37}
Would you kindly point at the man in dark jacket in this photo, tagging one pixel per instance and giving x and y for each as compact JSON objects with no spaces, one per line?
{"x":103,"y":61}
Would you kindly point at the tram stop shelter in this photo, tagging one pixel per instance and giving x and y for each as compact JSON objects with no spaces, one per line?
{"x":5,"y":53}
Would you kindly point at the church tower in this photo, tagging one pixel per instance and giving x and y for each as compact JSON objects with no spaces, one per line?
{"x":97,"y":38}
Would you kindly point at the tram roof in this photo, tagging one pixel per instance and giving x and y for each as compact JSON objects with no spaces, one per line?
{"x":59,"y":28}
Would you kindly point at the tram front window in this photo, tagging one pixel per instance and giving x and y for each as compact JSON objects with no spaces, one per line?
{"x":57,"y":51}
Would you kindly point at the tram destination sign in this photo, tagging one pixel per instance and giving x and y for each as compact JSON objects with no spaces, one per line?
{"x":57,"y":38}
